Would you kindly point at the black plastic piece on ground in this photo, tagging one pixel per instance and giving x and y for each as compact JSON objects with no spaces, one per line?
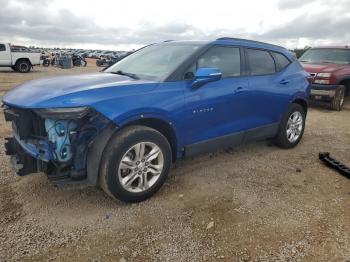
{"x":335,"y":164}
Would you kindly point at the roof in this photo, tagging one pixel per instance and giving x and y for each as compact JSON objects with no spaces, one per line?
{"x":235,"y":41}
{"x":238,"y":42}
{"x":250,"y":43}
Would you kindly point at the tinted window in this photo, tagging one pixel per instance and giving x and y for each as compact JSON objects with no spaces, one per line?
{"x":227,"y":59}
{"x":260,"y":62}
{"x":2,"y":48}
{"x":281,"y":61}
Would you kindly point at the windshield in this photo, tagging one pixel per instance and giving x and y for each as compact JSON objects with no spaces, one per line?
{"x":337,"y":56}
{"x":154,"y":62}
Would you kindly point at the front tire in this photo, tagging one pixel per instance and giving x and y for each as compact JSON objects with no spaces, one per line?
{"x":337,"y":102}
{"x":292,"y":127}
{"x":135,"y":164}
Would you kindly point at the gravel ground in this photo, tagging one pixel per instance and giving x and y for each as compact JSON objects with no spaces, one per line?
{"x":252,"y":203}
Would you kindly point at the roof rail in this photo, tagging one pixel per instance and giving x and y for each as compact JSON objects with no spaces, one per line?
{"x":168,"y":41}
{"x":247,"y":40}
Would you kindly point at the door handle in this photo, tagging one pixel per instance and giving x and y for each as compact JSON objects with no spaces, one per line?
{"x":284,"y":82}
{"x":240,"y":89}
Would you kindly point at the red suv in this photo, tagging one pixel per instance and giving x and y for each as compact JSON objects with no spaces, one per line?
{"x":330,"y":70}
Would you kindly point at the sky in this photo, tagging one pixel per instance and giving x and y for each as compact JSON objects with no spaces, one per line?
{"x":129,"y":24}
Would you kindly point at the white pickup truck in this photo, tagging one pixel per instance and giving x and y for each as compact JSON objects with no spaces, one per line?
{"x":19,"y":60}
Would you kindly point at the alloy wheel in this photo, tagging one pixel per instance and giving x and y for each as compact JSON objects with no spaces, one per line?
{"x":294,"y":126}
{"x":140,"y":167}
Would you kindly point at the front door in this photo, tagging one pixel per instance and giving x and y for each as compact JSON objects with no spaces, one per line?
{"x":5,"y":56}
{"x":217,"y":109}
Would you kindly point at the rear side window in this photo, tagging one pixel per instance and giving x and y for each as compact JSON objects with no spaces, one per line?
{"x":2,"y":47}
{"x":260,"y":62}
{"x":227,"y":59}
{"x":281,"y":61}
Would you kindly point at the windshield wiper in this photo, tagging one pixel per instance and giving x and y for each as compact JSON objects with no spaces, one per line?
{"x":304,"y":61}
{"x":131,"y":75}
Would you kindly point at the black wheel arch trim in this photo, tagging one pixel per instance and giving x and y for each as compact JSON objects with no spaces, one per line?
{"x":95,"y":152}
{"x":24,"y":58}
{"x":301,"y":101}
{"x":97,"y":147}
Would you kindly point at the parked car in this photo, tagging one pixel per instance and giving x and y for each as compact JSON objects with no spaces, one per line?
{"x":105,"y":54}
{"x":330,"y":69}
{"x":123,"y":127}
{"x":102,"y":61}
{"x":18,"y":59}
{"x":78,"y":60}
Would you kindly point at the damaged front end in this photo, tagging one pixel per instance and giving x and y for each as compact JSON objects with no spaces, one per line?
{"x":54,"y":141}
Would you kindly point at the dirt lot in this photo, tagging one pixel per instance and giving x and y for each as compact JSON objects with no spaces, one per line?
{"x":253,"y":203}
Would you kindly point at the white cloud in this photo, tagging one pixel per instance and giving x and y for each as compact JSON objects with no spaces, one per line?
{"x":128,"y":24}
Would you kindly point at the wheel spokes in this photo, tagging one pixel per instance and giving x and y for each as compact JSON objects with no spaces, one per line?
{"x":129,"y":179}
{"x":139,"y":151}
{"x":143,"y":182}
{"x":153,"y":154}
{"x":155,"y":169}
{"x":127,"y":163}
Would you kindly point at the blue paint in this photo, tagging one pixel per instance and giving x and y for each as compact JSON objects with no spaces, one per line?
{"x":216,"y":108}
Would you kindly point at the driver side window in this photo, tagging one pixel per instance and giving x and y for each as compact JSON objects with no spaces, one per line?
{"x":227,"y":59}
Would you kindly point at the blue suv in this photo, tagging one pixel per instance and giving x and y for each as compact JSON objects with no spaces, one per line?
{"x":122,"y":128}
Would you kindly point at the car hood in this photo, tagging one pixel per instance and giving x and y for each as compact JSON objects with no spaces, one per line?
{"x":323,"y":67}
{"x":34,"y":94}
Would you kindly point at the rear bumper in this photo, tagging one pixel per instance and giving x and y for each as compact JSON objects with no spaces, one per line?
{"x":323,"y":92}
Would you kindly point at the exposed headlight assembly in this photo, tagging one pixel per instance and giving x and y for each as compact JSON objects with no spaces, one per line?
{"x":63,"y":113}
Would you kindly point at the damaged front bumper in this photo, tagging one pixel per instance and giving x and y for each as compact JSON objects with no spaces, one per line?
{"x":55,"y":142}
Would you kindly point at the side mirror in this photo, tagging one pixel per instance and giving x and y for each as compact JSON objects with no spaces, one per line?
{"x":206,"y":75}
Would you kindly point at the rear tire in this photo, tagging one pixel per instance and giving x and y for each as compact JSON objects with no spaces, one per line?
{"x":23,"y":66}
{"x":131,"y":170}
{"x":292,"y":127}
{"x":337,"y":102}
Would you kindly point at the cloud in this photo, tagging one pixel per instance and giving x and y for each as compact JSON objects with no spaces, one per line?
{"x":324,"y":25}
{"x":291,"y":4}
{"x":38,"y":23}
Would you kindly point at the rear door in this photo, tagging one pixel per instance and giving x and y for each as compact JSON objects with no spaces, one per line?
{"x":5,"y":55}
{"x":270,"y":86}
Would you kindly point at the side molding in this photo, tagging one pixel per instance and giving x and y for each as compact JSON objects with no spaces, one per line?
{"x":232,"y":140}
